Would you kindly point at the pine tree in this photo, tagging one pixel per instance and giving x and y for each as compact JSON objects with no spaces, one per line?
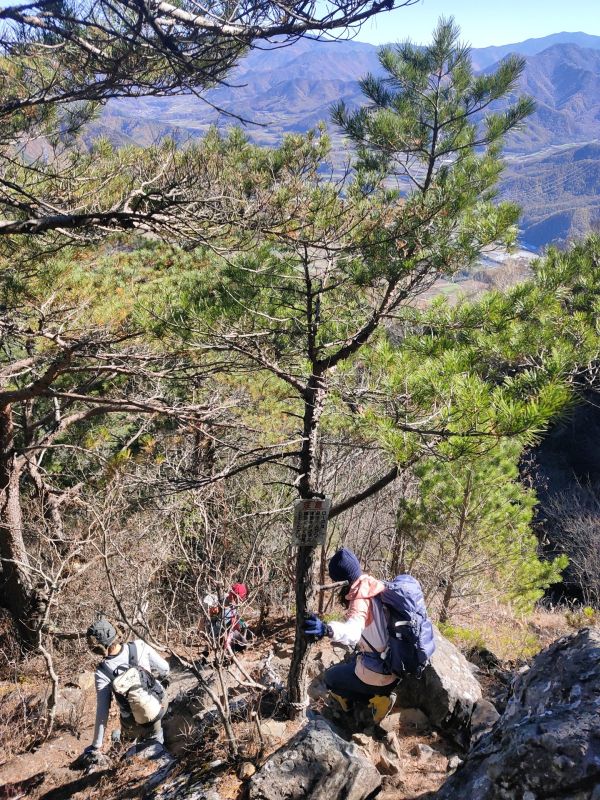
{"x":472,"y":525}
{"x":299,"y":309}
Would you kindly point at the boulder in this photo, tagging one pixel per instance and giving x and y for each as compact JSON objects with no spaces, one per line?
{"x":483,"y":719}
{"x":316,"y":764}
{"x":86,"y":681}
{"x":447,"y":691}
{"x":70,"y":705}
{"x":408,"y":718}
{"x":547,"y":742}
{"x":186,"y":786}
{"x":181,"y":724}
{"x":273,"y":731}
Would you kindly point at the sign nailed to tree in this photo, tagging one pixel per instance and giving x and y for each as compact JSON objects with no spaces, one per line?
{"x":310,"y":521}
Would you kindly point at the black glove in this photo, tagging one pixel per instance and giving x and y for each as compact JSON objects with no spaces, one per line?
{"x":165,"y":682}
{"x":314,"y":628}
{"x":91,"y":754}
{"x":89,"y":758}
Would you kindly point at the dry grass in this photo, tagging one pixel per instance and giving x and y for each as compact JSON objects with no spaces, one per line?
{"x":21,"y":713}
{"x":511,"y":636}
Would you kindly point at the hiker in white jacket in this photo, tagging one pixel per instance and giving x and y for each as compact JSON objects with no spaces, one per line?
{"x":117,"y":657}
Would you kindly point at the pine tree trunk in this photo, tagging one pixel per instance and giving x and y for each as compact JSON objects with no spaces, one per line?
{"x":314,"y":399}
{"x":458,"y":546}
{"x":17,"y":593}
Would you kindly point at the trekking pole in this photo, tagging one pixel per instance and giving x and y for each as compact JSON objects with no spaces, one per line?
{"x":335,"y":585}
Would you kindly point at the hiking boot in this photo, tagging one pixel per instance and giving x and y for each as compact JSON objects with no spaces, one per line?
{"x":342,"y":702}
{"x":338,"y":708}
{"x":380,"y":706}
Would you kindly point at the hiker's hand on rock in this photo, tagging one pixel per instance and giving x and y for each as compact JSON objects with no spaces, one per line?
{"x":90,"y":756}
{"x":314,"y":628}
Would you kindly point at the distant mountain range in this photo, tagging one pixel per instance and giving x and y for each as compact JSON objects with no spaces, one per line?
{"x":553,"y":163}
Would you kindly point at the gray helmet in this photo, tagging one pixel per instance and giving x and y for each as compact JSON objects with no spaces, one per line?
{"x":100,"y":635}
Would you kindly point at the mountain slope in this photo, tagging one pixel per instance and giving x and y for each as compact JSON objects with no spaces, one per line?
{"x":558,"y":193}
{"x":564,"y":81}
{"x":486,"y":56}
{"x":292,"y":89}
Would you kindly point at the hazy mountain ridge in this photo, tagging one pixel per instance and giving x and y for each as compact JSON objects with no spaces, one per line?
{"x":558,"y":193}
{"x":293,"y":88}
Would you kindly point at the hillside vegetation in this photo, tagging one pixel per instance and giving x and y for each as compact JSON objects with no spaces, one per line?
{"x":293,"y":89}
{"x":196,"y":340}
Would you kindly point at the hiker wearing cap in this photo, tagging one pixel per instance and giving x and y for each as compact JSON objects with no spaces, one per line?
{"x":226,"y":624}
{"x":128,"y":671}
{"x":365,"y":626}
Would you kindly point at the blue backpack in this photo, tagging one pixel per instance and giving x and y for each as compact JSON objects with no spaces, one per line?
{"x":411,"y":643}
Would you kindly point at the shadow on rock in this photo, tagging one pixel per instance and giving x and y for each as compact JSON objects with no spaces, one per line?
{"x":316,"y":764}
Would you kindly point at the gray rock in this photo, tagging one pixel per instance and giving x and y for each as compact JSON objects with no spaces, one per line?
{"x":392,"y":743}
{"x":406,"y":717}
{"x":447,"y":691}
{"x":483,"y":719}
{"x":547,"y":742}
{"x":273,"y":731}
{"x":316,"y":764}
{"x":423,"y":751}
{"x":387,"y":765}
{"x":362,"y":740}
{"x":186,"y":786}
{"x":86,"y":681}
{"x":392,"y":782}
{"x":165,"y":765}
{"x":182,"y":721}
{"x":70,"y":705}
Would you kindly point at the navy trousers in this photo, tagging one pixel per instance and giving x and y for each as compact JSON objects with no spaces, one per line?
{"x":341,"y":679}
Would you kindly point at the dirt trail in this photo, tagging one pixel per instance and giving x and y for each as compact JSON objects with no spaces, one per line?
{"x":45,"y":774}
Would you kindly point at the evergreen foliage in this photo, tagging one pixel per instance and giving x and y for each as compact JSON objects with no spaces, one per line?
{"x":283,"y":351}
{"x":472,"y":524}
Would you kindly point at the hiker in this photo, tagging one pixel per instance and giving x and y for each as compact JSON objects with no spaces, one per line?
{"x":225,"y":620}
{"x":126,"y":670}
{"x":373,"y":673}
{"x":238,"y":632}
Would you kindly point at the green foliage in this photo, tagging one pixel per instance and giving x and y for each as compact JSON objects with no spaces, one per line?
{"x":461,"y":636}
{"x":476,"y":515}
{"x":581,"y":617}
{"x":427,"y":123}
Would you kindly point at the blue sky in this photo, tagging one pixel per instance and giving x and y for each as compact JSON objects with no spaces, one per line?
{"x":485,"y":22}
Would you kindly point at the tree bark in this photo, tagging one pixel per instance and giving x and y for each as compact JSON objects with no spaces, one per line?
{"x":314,"y":400}
{"x":17,"y":593}
{"x":458,"y":545}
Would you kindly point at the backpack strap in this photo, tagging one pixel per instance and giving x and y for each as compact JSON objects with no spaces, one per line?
{"x":133,"y":662}
{"x":106,"y":670}
{"x":133,"y":654}
{"x":377,"y":599}
{"x":366,"y":641}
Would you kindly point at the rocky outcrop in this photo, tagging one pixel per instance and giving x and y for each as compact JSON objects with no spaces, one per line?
{"x":316,"y":764}
{"x":547,"y":742}
{"x":186,"y":786}
{"x":447,"y":692}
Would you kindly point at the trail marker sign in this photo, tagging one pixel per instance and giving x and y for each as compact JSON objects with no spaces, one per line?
{"x":310,"y":521}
